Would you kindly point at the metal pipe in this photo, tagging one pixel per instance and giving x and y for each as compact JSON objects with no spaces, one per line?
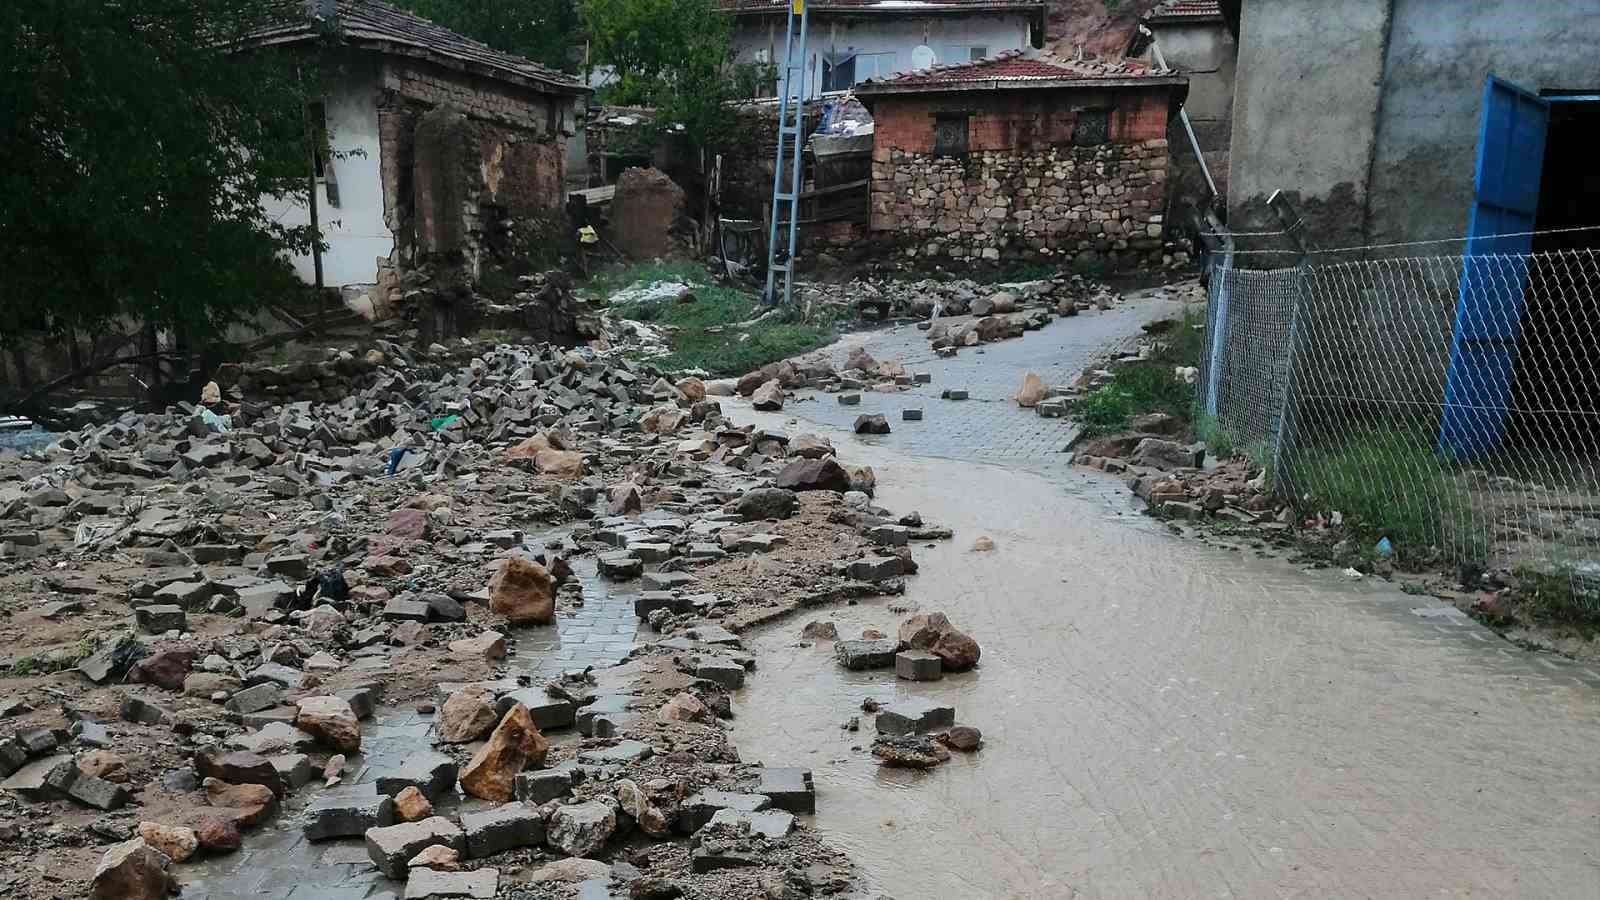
{"x":1183,"y":114}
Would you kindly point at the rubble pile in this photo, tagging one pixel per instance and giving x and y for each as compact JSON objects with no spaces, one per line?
{"x":1172,"y":476}
{"x":209,"y":609}
{"x":931,"y":298}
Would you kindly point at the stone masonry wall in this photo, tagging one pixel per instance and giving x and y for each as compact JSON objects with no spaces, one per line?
{"x":517,"y":138}
{"x":1024,"y":190}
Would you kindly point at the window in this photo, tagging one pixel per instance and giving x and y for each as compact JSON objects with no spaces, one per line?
{"x":976,"y":53}
{"x":950,"y":134}
{"x":840,"y":71}
{"x":958,"y":53}
{"x":1093,"y":128}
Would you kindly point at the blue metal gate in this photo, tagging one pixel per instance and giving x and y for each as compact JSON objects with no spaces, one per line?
{"x":1483,"y":351}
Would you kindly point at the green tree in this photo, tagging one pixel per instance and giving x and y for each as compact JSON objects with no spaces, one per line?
{"x":541,"y":30}
{"x":675,"y":55}
{"x":136,"y":146}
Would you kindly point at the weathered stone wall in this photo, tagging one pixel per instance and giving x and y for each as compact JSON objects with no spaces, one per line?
{"x":1024,"y":190}
{"x":515,"y":162}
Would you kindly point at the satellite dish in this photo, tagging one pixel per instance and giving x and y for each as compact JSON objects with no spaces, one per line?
{"x":922,"y":57}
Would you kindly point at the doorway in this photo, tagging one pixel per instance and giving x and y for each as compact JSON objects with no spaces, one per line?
{"x":1557,"y":385}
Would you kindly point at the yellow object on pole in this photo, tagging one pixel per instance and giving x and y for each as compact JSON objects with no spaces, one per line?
{"x":799,"y":6}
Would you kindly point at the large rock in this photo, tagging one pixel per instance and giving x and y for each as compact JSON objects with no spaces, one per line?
{"x":332,"y":721}
{"x":252,"y":803}
{"x":956,"y":650}
{"x":768,"y":397}
{"x":132,"y":870}
{"x":1032,"y":391}
{"x":809,"y":446}
{"x":239,"y":767}
{"x":860,"y":360}
{"x":567,"y":464}
{"x":644,"y":211}
{"x":872,"y":424}
{"x":175,"y":841}
{"x":912,"y":751}
{"x":639,"y":807}
{"x":515,"y":744}
{"x":167,"y":668}
{"x":814,"y":475}
{"x":922,"y":629}
{"x":1158,"y":453}
{"x":767,"y":503}
{"x":218,"y":835}
{"x":580,"y":829}
{"x":465,"y":717}
{"x":523,"y":592}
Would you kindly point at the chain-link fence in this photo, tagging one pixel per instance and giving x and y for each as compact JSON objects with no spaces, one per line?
{"x":1448,"y":403}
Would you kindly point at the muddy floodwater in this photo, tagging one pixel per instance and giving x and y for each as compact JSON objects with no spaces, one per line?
{"x":1165,"y":719}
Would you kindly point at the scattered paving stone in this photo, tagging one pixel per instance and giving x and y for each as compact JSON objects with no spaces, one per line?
{"x":727,"y":673}
{"x":239,"y":767}
{"x":479,"y":884}
{"x":33,"y":782}
{"x":506,"y":827}
{"x":911,"y":415}
{"x":668,"y":581}
{"x":859,"y":655}
{"x":918,"y":665}
{"x":336,"y":817}
{"x":549,"y":713}
{"x":431,"y":772}
{"x":160,"y":619}
{"x":698,"y":809}
{"x":294,"y":769}
{"x":953,"y":394}
{"x":543,"y":786}
{"x":875,"y":568}
{"x":850,"y":399}
{"x":623,"y":753}
{"x":772,"y":824}
{"x":915,"y":716}
{"x":789,"y":789}
{"x":391,"y":847}
{"x":871,"y":424}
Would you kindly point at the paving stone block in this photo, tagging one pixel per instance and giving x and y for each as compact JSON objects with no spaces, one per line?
{"x":861,"y":655}
{"x":337,"y":817}
{"x":428,"y":884}
{"x":915,"y":716}
{"x":430,"y":772}
{"x":918,"y":665}
{"x":548,"y":712}
{"x":725,"y":672}
{"x":790,"y":789}
{"x":698,"y":809}
{"x":391,"y":847}
{"x":505,"y":827}
{"x":543,"y":785}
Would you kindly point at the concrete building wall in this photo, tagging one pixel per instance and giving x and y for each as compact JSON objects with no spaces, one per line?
{"x":1366,"y":112}
{"x":355,"y":230}
{"x":1024,"y":190}
{"x":889,"y":40}
{"x":1422,"y":174}
{"x":1304,"y":111}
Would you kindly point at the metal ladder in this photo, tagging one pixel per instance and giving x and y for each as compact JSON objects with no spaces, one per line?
{"x":791,"y":133}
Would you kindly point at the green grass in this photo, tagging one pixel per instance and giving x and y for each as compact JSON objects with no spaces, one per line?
{"x":1559,"y":598}
{"x":1145,"y":385}
{"x":1386,"y":482}
{"x":703,"y":335}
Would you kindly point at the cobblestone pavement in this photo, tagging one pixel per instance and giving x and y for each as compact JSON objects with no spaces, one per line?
{"x":278,"y":863}
{"x":988,"y":425}
{"x":1162,"y":717}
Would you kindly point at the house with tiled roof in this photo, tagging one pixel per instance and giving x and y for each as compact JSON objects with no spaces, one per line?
{"x":852,"y":41}
{"x":1024,"y":156}
{"x":434,"y":142}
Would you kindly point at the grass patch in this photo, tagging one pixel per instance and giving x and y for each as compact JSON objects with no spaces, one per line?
{"x":1388,"y":483}
{"x":703,"y":333}
{"x":1560,"y":599}
{"x":1145,"y":385}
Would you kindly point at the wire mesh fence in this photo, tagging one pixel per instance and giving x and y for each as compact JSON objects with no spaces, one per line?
{"x":1448,"y":403}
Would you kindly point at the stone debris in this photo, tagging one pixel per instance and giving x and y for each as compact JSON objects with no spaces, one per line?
{"x":912,"y":751}
{"x":132,"y":870}
{"x":515,"y":744}
{"x":915,"y":717}
{"x":368,"y":521}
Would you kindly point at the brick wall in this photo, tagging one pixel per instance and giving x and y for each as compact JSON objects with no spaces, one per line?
{"x":1025,"y":190}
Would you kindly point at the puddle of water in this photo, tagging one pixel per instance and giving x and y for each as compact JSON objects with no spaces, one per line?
{"x":278,"y":863}
{"x":1165,"y":719}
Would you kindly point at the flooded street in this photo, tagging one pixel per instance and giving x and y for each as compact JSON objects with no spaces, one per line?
{"x":1164,"y":719}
